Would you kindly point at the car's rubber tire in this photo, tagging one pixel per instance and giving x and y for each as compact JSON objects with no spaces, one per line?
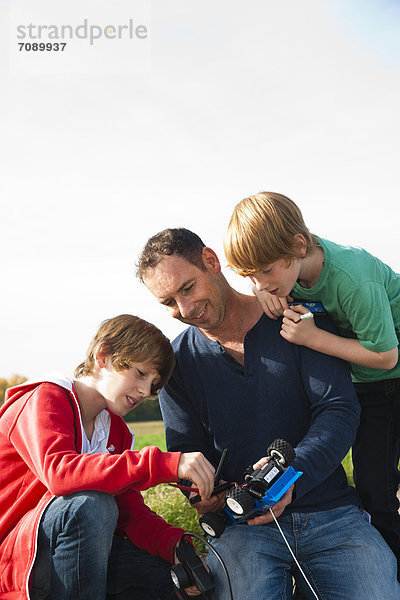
{"x":212,"y":524}
{"x":282,"y":451}
{"x":239,"y":501}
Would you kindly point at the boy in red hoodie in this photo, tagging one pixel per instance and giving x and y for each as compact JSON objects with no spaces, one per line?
{"x":73,"y":524}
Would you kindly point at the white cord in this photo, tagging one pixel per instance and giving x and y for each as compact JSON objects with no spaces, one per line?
{"x":290,"y":550}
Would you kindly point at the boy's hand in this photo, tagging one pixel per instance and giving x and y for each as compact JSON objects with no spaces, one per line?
{"x":192,"y":590}
{"x":195,"y":467}
{"x":295,"y":330}
{"x":273,"y":306}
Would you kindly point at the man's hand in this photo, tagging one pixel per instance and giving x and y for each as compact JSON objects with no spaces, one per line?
{"x":295,"y":330}
{"x":195,"y":467}
{"x":277,"y":509}
{"x":213,"y":504}
{"x":261,"y":462}
{"x":273,"y":306}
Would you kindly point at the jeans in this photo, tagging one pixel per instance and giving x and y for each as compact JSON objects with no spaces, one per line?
{"x":376,"y":457}
{"x":78,"y":557}
{"x":342,"y":555}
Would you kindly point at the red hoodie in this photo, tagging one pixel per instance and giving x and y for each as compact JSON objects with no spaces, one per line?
{"x":40,"y":445}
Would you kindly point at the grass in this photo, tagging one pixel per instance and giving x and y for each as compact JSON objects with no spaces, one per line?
{"x":169,"y":502}
{"x":146,"y":427}
{"x":149,"y":433}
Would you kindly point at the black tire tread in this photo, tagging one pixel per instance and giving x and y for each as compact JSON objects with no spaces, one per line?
{"x":242,"y":497}
{"x":283,"y":448}
{"x":214,"y":520}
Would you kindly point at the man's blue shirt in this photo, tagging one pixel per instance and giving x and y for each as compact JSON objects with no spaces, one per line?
{"x":282,"y":391}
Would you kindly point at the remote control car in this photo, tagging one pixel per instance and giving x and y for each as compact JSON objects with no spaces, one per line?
{"x":261,"y":489}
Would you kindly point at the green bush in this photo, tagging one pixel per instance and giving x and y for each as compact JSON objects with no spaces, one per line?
{"x":149,"y":410}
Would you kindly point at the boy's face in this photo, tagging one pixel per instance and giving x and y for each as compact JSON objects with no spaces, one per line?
{"x":124,"y":390}
{"x":278,"y":278}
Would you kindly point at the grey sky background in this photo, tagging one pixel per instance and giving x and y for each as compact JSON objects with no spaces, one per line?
{"x":296,"y":97}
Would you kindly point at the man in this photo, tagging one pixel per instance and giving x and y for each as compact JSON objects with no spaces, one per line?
{"x":239,"y":385}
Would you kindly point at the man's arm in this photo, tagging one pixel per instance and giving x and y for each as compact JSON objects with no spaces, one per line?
{"x":318,"y":411}
{"x":335,"y":415}
{"x":183,"y":426}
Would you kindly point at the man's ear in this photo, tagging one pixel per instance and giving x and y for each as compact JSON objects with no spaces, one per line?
{"x":211,"y":260}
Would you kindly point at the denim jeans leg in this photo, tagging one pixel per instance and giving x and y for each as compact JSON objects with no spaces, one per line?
{"x":342,"y":555}
{"x":376,"y":457}
{"x":257,"y":561}
{"x":77,"y":531}
{"x":134,"y":574}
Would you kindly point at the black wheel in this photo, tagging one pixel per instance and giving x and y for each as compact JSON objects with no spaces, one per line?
{"x":180,"y":578}
{"x":239,"y":501}
{"x":212,"y":524}
{"x":282,"y":451}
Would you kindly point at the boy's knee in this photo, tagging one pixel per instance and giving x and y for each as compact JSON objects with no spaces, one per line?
{"x":98,"y":509}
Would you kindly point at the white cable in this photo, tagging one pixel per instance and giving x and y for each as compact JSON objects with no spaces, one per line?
{"x":293,"y":556}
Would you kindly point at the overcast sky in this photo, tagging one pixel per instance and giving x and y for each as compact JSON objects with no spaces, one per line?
{"x":296,"y":97}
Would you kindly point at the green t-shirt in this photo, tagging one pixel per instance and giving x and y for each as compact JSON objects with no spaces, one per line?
{"x":362,"y":295}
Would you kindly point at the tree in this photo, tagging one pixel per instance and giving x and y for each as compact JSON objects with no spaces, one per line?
{"x":6,"y":383}
{"x":148,"y":411}
{"x":3,"y":387}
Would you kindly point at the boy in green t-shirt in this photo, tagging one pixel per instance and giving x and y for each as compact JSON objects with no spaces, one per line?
{"x":268,"y":241}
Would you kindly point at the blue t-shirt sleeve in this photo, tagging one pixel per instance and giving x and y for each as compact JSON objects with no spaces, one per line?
{"x":184,"y":430}
{"x":335,"y":415}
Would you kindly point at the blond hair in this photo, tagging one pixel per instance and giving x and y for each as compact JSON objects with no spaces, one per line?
{"x":127,"y":339}
{"x":261,"y":231}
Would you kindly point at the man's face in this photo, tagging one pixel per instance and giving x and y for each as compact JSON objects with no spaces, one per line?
{"x":190,"y":295}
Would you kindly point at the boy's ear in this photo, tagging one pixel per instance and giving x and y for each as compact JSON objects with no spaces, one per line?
{"x":211,"y":260}
{"x":101,"y":356}
{"x":100,"y":360}
{"x":300,"y":245}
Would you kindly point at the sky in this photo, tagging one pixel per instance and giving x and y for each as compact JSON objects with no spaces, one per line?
{"x":113,"y":143}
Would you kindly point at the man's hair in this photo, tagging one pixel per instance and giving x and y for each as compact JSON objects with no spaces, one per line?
{"x":127,"y":339}
{"x":261,"y":231}
{"x":181,"y":242}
